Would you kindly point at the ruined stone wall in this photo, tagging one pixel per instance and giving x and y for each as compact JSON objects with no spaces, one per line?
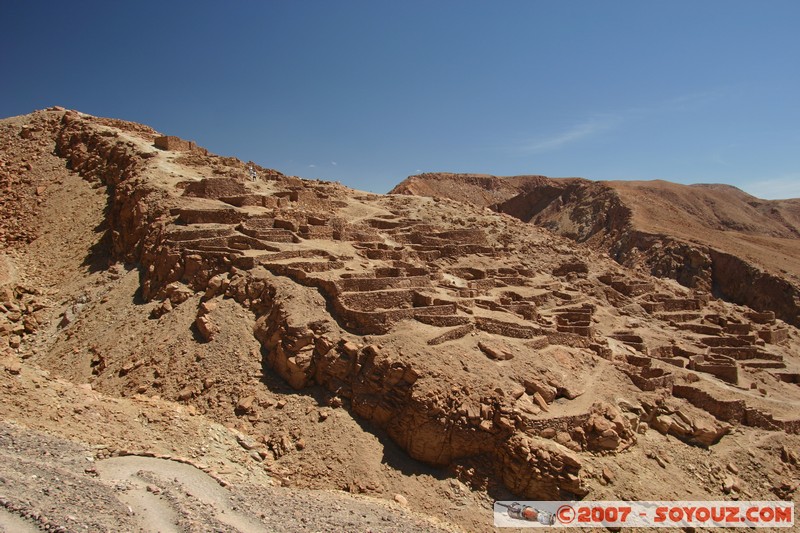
{"x":727,"y":410}
{"x":735,"y":410}
{"x":215,"y":188}
{"x":507,"y":329}
{"x":722,"y":367}
{"x":170,"y":142}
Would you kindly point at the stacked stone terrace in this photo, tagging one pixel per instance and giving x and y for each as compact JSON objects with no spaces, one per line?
{"x":380,"y":269}
{"x":409,"y":278}
{"x":420,"y":271}
{"x":406,"y":283}
{"x":712,"y":344}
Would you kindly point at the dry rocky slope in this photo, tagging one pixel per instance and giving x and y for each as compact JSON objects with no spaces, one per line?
{"x":711,"y":237}
{"x":264,"y":330}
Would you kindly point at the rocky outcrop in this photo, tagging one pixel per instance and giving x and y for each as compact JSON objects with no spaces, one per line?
{"x":101,"y":157}
{"x":479,"y":189}
{"x":579,"y":209}
{"x":537,"y":468}
{"x":740,"y":282}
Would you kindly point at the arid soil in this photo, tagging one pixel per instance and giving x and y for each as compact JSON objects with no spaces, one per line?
{"x":191,"y":342}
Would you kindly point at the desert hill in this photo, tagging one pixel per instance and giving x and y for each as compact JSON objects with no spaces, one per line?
{"x":711,"y":237}
{"x":169,"y":317}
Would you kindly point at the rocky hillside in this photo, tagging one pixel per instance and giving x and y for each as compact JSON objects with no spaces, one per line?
{"x":420,"y":352}
{"x":711,"y":237}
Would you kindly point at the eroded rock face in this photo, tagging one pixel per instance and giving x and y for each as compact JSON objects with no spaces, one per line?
{"x":461,"y":333}
{"x":606,"y":429}
{"x":537,"y":468}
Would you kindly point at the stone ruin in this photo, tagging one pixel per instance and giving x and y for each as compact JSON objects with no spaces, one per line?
{"x":176,"y":144}
{"x":378,"y":273}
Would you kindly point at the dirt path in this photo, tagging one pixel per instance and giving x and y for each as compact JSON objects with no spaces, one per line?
{"x":11,"y":523}
{"x":149,"y":480}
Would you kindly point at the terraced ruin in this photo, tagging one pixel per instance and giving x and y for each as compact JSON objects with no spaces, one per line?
{"x":511,"y":358}
{"x":711,"y":237}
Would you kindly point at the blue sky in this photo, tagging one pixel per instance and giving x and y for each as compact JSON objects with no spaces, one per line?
{"x":367,"y":93}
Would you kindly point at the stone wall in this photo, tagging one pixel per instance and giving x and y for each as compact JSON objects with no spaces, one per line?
{"x":176,"y":144}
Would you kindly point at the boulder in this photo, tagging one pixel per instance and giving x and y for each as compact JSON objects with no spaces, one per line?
{"x":540,"y":469}
{"x":208,"y":330}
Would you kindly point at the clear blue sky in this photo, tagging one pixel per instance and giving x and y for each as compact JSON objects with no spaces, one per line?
{"x":370,"y":92}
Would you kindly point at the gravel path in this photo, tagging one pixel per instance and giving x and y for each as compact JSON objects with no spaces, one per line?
{"x":47,"y":483}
